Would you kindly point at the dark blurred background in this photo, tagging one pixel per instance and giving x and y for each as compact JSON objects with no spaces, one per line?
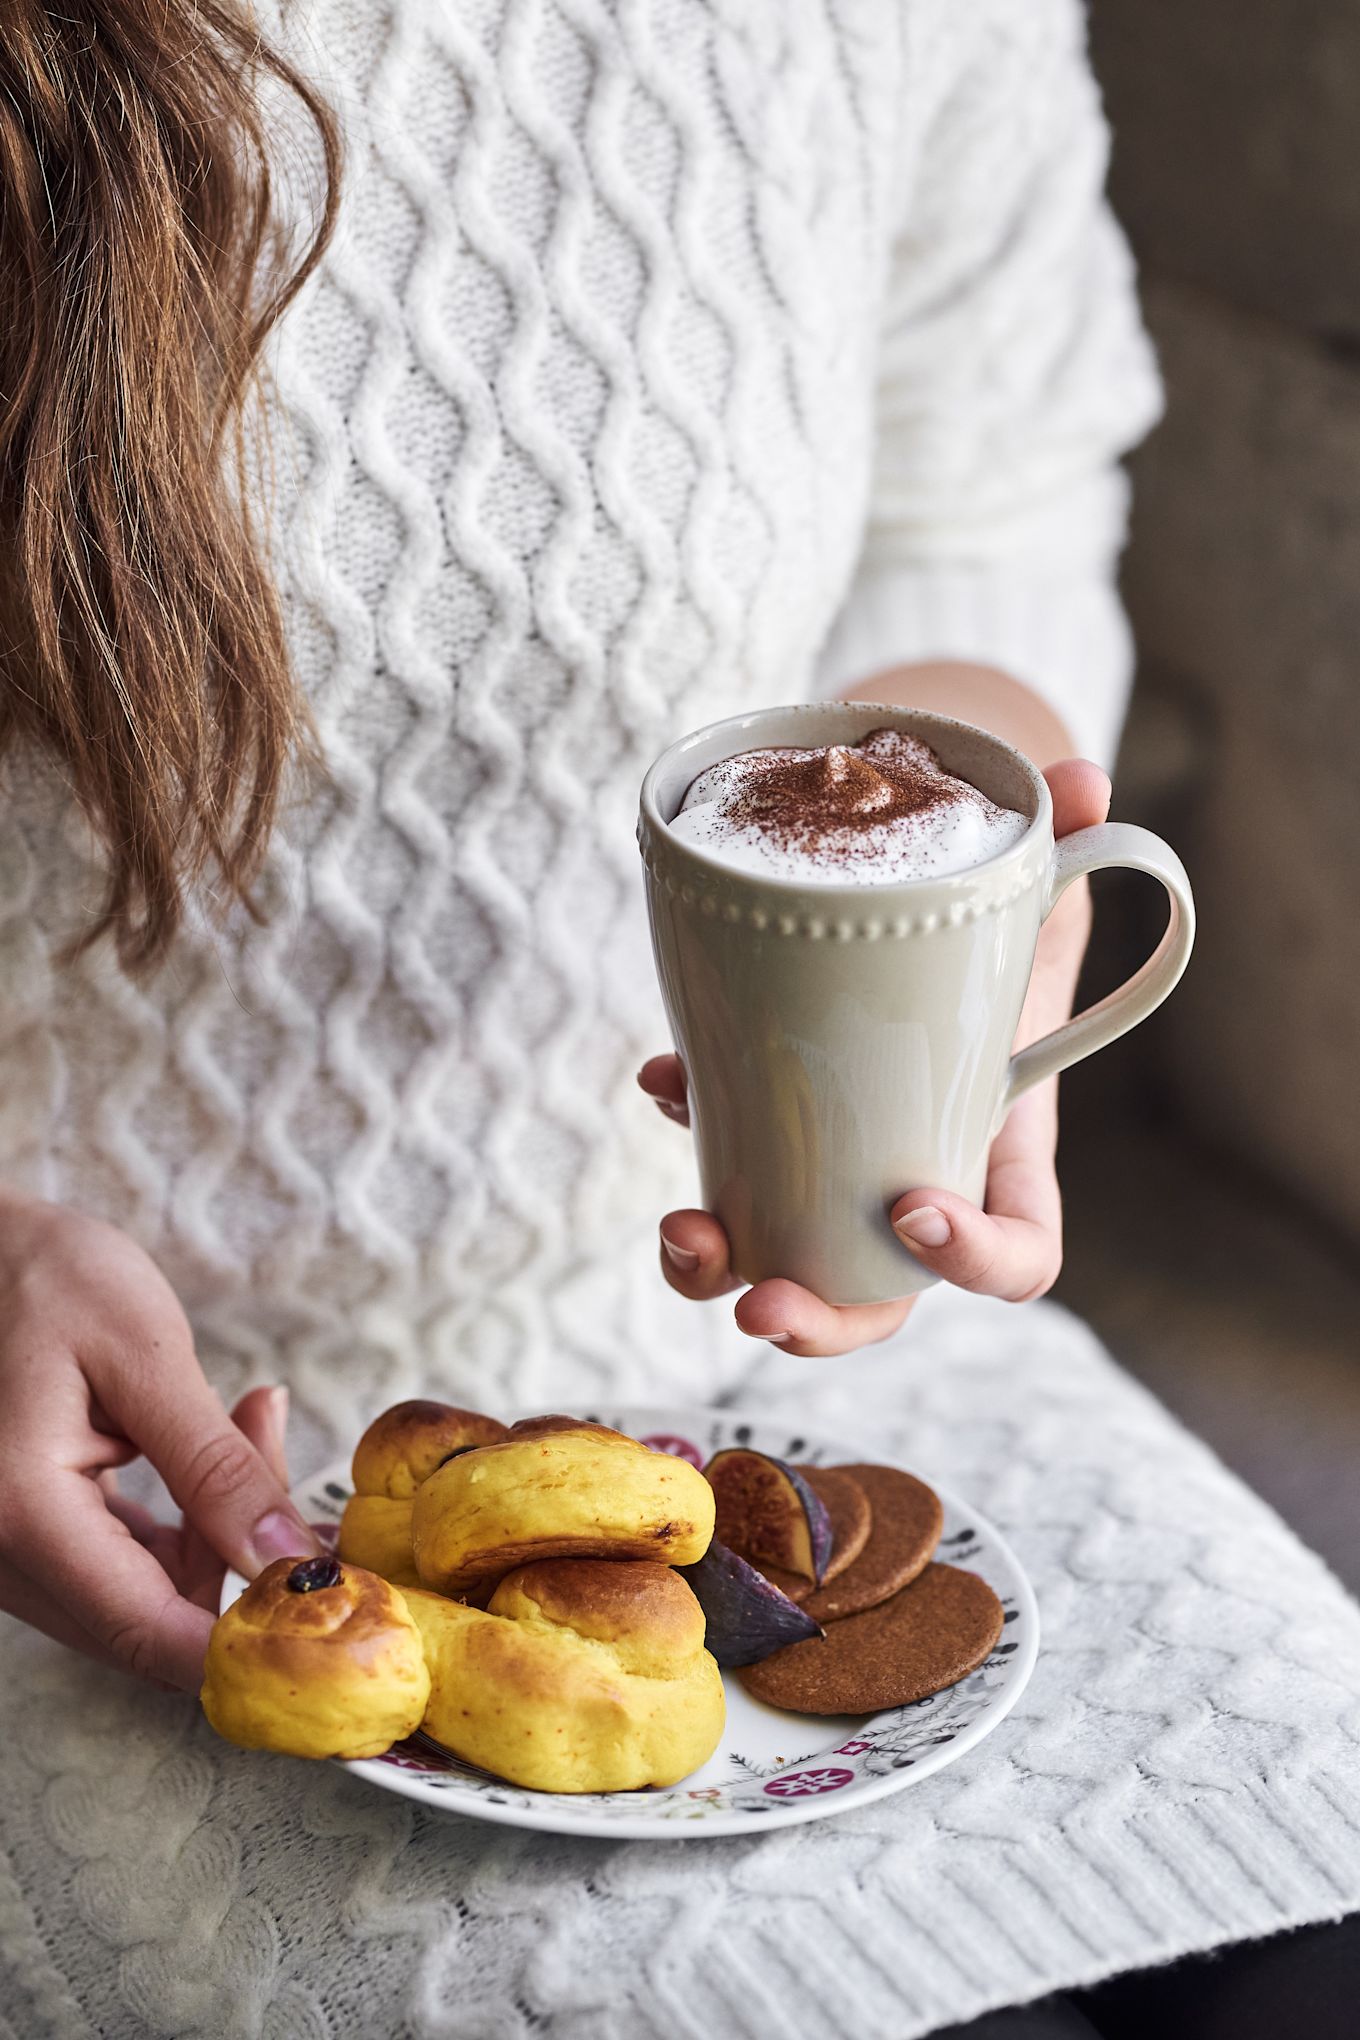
{"x":1212,"y":1161}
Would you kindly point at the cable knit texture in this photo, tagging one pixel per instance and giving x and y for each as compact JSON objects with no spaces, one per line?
{"x":1182,"y":1771}
{"x":664,"y":343}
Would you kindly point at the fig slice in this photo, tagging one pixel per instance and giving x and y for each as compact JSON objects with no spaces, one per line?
{"x":747,"y":1618}
{"x":768,"y":1512}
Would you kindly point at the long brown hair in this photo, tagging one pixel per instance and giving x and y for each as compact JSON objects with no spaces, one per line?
{"x":142,"y":264}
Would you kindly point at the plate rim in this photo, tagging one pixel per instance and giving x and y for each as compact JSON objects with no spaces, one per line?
{"x":588,"y":1825}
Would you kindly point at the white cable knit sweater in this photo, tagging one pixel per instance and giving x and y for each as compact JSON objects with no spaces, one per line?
{"x":666,"y":347}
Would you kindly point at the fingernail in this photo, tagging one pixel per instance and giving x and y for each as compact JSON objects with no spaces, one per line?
{"x":670,"y":1110}
{"x":770,"y":1338}
{"x":680,"y":1257}
{"x":281,"y":1534}
{"x":924,"y":1228}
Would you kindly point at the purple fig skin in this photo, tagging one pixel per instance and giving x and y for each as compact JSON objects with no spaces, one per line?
{"x":746,"y":1617}
{"x":800,"y":1501}
{"x":820,"y":1532}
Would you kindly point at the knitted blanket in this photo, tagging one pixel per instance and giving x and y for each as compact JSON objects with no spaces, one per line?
{"x":663,"y":344}
{"x":1183,"y":1771}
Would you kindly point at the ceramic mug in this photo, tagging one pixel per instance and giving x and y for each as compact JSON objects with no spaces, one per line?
{"x":844,"y":1044}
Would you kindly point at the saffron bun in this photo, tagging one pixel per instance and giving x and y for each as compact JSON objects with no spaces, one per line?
{"x":573,"y":1491}
{"x":582,"y":1675}
{"x":316,"y":1659}
{"x":403,"y":1446}
{"x":375,"y":1533}
{"x":541,"y":1427}
{"x":399,"y":1450}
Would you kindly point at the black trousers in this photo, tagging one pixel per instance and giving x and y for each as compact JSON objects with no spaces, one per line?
{"x":1300,"y":1986}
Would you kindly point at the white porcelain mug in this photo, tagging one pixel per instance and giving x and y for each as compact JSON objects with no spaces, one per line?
{"x":844,"y":1044}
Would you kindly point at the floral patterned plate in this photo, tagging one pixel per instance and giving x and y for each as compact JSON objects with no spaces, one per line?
{"x":771,"y":1768}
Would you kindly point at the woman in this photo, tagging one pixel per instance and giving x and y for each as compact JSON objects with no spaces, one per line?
{"x":640,"y":355}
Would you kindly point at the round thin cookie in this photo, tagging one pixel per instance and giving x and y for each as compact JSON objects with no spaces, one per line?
{"x":848,"y":1507}
{"x":928,"y":1636}
{"x":906,"y":1521}
{"x":851,"y":1516}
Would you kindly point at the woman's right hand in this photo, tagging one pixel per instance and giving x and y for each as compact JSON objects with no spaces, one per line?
{"x":97,"y":1366}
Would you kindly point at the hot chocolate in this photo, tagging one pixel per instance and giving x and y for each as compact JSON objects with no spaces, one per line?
{"x":870,"y":813}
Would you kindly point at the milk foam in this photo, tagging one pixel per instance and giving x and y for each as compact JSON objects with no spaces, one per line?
{"x":870,"y":813}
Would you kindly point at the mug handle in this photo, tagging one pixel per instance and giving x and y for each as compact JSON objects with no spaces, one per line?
{"x":1135,"y":849}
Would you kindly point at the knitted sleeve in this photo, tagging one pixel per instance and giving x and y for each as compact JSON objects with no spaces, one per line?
{"x":1013,"y":372}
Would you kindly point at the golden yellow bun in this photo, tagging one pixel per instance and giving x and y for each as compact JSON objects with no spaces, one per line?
{"x":376,"y":1532}
{"x":336,"y":1670}
{"x":403,"y":1446}
{"x":399,"y":1450}
{"x":583,"y":1676}
{"x":646,"y":1614}
{"x":541,"y":1427}
{"x":579,"y":1493}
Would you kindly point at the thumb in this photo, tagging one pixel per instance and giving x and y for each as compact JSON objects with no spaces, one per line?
{"x":262,"y":1413}
{"x":1081,"y":795}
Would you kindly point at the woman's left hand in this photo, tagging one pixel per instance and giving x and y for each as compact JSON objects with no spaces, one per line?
{"x":1012,"y":1247}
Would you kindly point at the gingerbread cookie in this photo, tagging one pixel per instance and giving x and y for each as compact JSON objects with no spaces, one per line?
{"x":905,"y":1524}
{"x":851,"y":1516}
{"x":928,"y":1636}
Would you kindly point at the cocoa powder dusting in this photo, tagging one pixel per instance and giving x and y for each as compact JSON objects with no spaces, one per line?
{"x":821,"y":805}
